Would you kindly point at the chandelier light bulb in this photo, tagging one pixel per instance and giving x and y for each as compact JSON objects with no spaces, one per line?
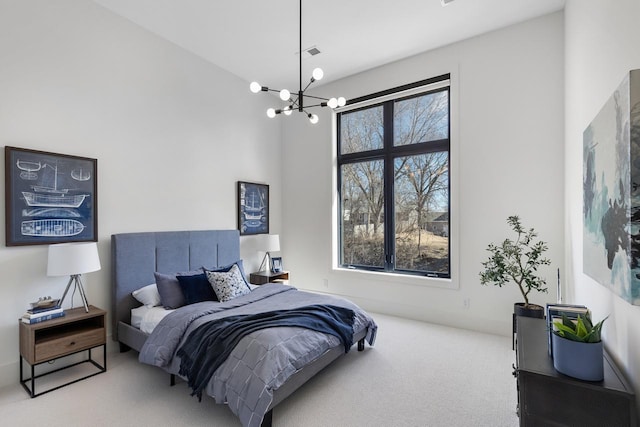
{"x":313,"y":118}
{"x":287,"y":110}
{"x":332,"y":103}
{"x":271,"y":113}
{"x":317,"y":74}
{"x":342,"y":101}
{"x":285,"y":95}
{"x":255,"y":87}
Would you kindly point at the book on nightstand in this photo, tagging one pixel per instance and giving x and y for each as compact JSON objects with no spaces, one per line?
{"x":42,"y":315}
{"x":38,"y":310}
{"x":46,"y":316}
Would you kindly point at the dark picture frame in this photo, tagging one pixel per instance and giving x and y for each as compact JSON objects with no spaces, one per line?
{"x":253,"y":208}
{"x":276,"y":264}
{"x":49,"y":197}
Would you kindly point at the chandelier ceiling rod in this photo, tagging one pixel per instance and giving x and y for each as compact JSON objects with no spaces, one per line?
{"x":298,"y":103}
{"x":300,"y":92}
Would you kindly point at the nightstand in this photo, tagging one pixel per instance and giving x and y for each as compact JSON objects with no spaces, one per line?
{"x":266,"y":276}
{"x":50,"y":340}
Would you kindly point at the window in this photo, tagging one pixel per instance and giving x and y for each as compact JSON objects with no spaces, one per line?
{"x":393,"y":181}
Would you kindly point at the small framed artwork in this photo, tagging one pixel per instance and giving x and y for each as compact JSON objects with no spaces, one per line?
{"x":49,"y":198}
{"x":253,"y":208}
{"x":276,"y":264}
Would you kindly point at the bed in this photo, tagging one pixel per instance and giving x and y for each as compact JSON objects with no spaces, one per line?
{"x":136,"y":257}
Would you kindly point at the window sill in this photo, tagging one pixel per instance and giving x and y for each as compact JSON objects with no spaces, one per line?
{"x":396,"y":278}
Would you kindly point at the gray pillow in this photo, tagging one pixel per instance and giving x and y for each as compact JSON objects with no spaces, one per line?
{"x":171,"y":295}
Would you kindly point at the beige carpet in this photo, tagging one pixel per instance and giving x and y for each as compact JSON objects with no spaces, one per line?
{"x":417,"y":374}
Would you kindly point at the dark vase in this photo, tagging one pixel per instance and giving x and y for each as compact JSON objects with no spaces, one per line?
{"x":519,"y":309}
{"x":531,"y":310}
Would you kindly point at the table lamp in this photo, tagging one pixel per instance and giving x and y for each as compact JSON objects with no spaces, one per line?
{"x":73,"y":259}
{"x":269,"y":243}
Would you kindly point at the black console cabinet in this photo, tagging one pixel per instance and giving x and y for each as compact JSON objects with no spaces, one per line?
{"x":549,"y":398}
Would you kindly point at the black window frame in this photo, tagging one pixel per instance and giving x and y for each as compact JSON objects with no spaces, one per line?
{"x":388,"y":154}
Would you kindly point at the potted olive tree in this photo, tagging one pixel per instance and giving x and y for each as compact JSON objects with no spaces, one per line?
{"x":577,"y":348}
{"x":518,"y":261}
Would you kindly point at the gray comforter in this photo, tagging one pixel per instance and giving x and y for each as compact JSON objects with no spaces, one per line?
{"x":263,"y":360}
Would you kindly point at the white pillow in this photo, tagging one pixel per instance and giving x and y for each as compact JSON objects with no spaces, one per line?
{"x":147,"y":295}
{"x":229,"y":285}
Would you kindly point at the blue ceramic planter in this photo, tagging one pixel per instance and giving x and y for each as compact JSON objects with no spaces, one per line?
{"x":578,"y":359}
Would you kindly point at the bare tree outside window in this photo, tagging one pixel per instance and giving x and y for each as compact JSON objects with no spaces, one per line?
{"x":362,"y":210}
{"x":362,"y":130}
{"x":422,"y":212}
{"x":394,"y":185}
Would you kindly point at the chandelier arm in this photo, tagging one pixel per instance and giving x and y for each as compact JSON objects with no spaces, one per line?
{"x":323,"y":104}
{"x":316,"y":97}
{"x":308,"y":84}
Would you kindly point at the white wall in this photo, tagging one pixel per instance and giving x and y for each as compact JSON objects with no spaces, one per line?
{"x":170,"y":132}
{"x":507,"y":158}
{"x":601,"y":48}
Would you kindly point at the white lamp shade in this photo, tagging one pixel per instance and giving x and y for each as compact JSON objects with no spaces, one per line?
{"x":66,"y":259}
{"x":271,"y":243}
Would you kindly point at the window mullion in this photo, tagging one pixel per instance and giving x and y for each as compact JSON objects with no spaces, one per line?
{"x":389,"y":233}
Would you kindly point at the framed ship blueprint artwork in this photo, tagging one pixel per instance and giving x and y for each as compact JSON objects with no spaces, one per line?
{"x":253,"y":208}
{"x":611,"y":184}
{"x":49,"y":198}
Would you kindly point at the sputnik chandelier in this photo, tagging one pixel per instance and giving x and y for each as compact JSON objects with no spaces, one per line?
{"x":297,"y":102}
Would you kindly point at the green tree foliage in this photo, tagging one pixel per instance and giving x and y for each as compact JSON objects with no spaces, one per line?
{"x":516,"y":261}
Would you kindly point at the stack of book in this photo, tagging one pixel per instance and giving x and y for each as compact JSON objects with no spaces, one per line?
{"x":41,"y":312}
{"x":554,"y":313}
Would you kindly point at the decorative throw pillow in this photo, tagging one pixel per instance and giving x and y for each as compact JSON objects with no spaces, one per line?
{"x":169,"y":289}
{"x":226,"y":268}
{"x":229,"y":285}
{"x":147,"y":295}
{"x":196,"y":288}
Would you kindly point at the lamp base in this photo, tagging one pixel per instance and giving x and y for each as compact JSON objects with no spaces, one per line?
{"x":266,"y":262}
{"x":75,"y":278}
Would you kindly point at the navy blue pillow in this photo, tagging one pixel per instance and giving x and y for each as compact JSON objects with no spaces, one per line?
{"x":196,"y":288}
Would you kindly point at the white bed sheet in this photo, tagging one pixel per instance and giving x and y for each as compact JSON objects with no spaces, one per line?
{"x":147,"y":318}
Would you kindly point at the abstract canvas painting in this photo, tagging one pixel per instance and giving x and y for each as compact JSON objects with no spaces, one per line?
{"x":611,"y":180}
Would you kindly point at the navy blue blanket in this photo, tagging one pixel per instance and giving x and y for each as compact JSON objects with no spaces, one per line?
{"x":207,"y":347}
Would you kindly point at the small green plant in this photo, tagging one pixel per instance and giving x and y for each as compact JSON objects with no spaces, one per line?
{"x":582,"y":330}
{"x":516,"y":261}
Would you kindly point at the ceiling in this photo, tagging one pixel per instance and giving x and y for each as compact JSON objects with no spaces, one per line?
{"x":259,"y":40}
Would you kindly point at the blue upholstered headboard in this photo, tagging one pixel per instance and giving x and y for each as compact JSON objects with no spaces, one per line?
{"x":136,"y":256}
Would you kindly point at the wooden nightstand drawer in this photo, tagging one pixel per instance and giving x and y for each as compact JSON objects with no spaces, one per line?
{"x":61,"y":346}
